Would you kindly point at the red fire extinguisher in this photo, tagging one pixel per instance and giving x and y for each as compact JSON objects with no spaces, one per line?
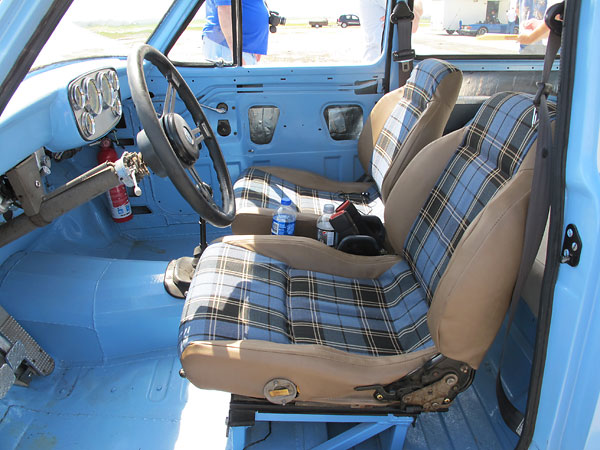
{"x":117,"y":196}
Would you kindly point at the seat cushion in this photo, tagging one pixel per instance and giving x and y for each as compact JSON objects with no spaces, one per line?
{"x":260,"y":188}
{"x":237,"y":294}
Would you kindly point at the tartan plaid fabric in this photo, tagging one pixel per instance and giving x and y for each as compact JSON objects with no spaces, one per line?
{"x":260,"y":189}
{"x":255,"y":187}
{"x":493,"y":148}
{"x":418,"y":92}
{"x":238,"y":294}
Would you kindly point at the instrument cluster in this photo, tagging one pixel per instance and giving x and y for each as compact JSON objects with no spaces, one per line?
{"x":96,"y":102}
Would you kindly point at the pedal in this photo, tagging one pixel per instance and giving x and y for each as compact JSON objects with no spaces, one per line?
{"x":23,"y":357}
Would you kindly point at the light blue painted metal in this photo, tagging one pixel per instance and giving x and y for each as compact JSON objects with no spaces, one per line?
{"x":18,"y":21}
{"x":41,"y":111}
{"x":569,"y":405}
{"x":237,"y":438}
{"x":355,"y":436}
{"x":172,"y":20}
{"x":367,"y":427}
{"x":89,"y":310}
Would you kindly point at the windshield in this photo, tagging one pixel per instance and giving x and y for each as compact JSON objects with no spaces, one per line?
{"x":102,"y":28}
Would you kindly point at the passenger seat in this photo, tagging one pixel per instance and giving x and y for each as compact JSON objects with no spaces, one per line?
{"x":399,"y":126}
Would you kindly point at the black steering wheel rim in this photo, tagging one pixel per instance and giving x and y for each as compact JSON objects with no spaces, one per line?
{"x":169,"y":146}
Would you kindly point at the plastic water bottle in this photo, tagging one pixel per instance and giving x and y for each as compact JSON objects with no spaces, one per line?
{"x":325,"y":231}
{"x":284,"y":219}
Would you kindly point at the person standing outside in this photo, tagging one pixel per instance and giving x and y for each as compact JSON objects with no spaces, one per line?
{"x":532,"y":29}
{"x":372,"y":20}
{"x":511,"y":16}
{"x":217,"y":34}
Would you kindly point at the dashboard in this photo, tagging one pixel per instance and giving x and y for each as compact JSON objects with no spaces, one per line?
{"x":96,"y":103}
{"x":63,"y":108}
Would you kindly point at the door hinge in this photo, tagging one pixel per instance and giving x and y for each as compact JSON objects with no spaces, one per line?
{"x":571,"y":249}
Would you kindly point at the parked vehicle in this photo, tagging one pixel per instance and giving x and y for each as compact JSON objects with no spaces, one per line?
{"x":318,"y":23}
{"x":348,"y":20}
{"x":107,"y":325}
{"x":449,"y":16}
{"x":479,"y":29}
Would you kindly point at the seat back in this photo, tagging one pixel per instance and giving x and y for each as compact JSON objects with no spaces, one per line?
{"x":465,"y":245}
{"x":407,"y":119}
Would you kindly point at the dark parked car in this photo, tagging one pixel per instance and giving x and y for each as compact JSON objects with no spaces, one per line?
{"x":348,"y":20}
{"x":479,"y":29}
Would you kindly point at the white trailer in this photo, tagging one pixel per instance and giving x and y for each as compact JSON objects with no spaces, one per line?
{"x":448,"y":15}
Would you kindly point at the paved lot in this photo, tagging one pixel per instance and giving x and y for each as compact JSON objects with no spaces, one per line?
{"x":336,"y":45}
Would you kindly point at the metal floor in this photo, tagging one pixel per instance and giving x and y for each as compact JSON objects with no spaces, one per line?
{"x":140,"y":402}
{"x":144,"y":404}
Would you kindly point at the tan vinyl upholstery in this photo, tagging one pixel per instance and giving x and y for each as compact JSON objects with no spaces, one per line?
{"x":254,"y":217}
{"x":466,"y":303}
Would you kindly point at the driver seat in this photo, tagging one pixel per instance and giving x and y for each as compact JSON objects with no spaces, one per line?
{"x":399,"y":126}
{"x":263,"y":311}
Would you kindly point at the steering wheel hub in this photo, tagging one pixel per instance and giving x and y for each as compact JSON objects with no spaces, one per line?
{"x":181,"y":138}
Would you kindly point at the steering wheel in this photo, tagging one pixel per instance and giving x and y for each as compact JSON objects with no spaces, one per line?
{"x":170,"y":146}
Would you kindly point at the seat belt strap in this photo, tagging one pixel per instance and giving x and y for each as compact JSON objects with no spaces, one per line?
{"x":537,"y":213}
{"x":402,"y":16}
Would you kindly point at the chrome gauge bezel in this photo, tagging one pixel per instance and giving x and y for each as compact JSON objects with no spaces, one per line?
{"x":89,"y":124}
{"x":106,"y":90}
{"x":117,"y":107}
{"x":114,"y":80}
{"x":77,"y":97}
{"x":95,"y":100}
{"x":93,"y":103}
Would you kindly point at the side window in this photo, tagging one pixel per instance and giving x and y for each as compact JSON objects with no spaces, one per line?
{"x":287,"y":33}
{"x":479,"y":27}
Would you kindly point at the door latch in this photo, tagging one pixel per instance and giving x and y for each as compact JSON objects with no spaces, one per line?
{"x":571,"y":249}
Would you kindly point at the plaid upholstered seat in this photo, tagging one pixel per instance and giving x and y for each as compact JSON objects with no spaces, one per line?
{"x":239,"y":294}
{"x":259,"y":297}
{"x":258,"y":188}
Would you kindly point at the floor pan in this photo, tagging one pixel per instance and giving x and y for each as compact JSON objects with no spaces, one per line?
{"x":142,"y":404}
{"x":145,"y":404}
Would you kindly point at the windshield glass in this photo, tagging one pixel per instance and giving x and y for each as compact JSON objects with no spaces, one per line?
{"x":107,"y":28}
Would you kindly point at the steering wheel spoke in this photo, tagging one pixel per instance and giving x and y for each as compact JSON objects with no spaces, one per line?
{"x":198,"y":136}
{"x":200,"y":185}
{"x":170,"y":98}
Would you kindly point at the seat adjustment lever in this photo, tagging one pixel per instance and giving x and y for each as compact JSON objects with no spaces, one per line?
{"x":432,"y":387}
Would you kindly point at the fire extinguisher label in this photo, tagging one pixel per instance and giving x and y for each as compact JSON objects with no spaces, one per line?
{"x":120,"y":212}
{"x":119,"y":201}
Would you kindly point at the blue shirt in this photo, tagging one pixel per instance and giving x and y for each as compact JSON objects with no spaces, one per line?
{"x":255,"y":25}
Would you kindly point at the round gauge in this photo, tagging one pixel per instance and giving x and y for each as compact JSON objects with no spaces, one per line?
{"x":77,"y":97}
{"x":106,"y":90}
{"x":88,"y":124}
{"x":93,"y":102}
{"x":117,"y":108}
{"x":114,"y":80}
